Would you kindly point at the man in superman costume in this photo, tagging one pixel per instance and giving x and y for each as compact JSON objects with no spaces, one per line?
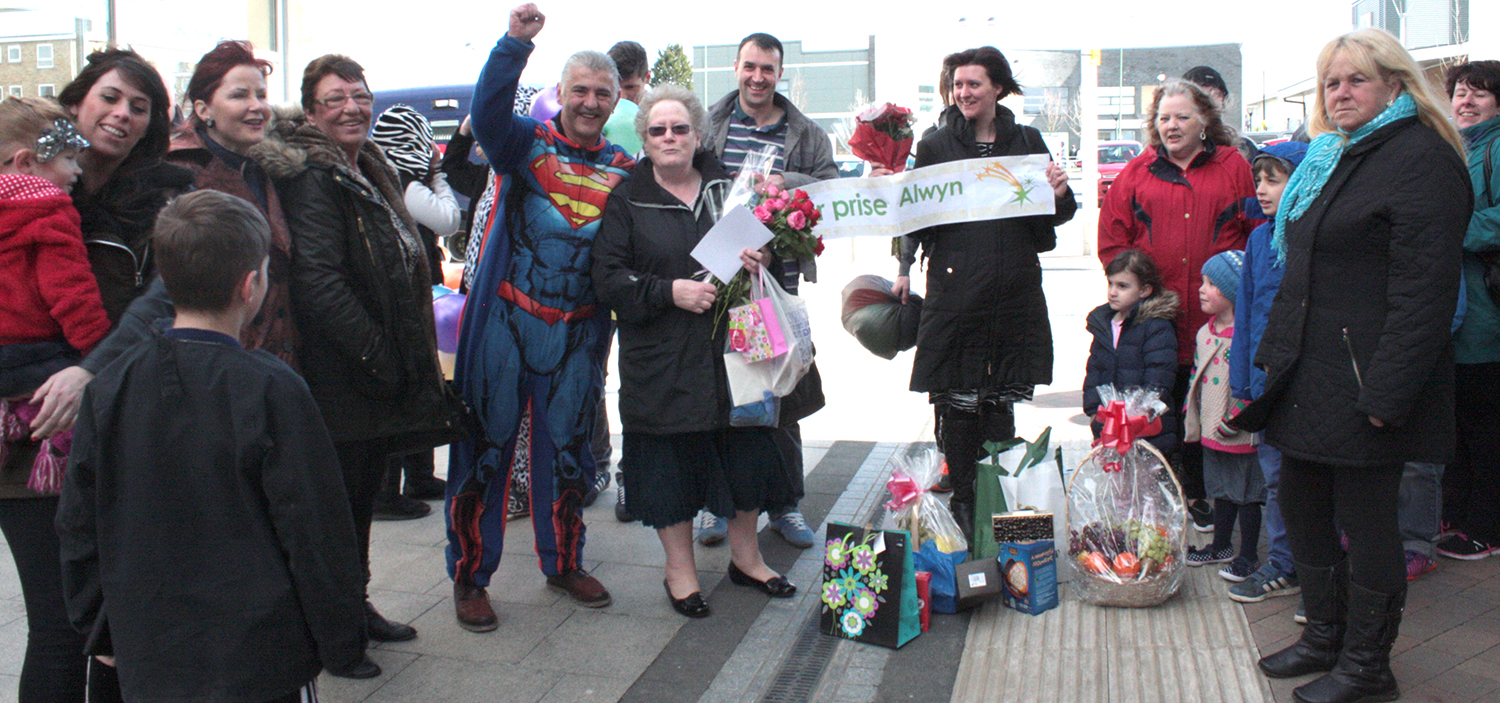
{"x":532,"y":340}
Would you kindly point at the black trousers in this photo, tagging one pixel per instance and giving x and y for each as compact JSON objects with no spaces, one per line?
{"x":1317,"y":500}
{"x":961,"y":437}
{"x":55,"y":668}
{"x":1471,"y":485}
{"x":364,"y":464}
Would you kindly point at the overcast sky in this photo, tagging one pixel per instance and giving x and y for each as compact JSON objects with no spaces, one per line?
{"x":431,"y":43}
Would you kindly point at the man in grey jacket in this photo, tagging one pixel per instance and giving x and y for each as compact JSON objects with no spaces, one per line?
{"x":753,"y":119}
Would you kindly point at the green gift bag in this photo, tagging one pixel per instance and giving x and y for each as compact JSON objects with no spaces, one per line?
{"x":989,"y":497}
{"x":869,"y":587}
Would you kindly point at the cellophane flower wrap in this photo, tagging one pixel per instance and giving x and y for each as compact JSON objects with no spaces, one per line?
{"x":883,"y":136}
{"x":1127,"y":520}
{"x":915,"y":509}
{"x":791,"y":216}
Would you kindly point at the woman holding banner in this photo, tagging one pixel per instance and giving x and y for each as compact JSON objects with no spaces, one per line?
{"x":984,"y":341}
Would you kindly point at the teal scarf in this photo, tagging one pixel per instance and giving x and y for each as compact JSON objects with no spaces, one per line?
{"x":1323,"y":156}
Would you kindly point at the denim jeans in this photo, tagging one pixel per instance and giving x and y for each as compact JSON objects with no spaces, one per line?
{"x":1280,"y":550}
{"x":1421,"y":509}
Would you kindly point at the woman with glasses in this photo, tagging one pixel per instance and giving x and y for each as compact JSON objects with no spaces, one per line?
{"x":361,"y":290}
{"x":680,"y":453}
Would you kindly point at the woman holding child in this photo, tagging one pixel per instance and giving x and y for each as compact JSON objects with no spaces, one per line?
{"x":1357,"y":350}
{"x":118,"y":105}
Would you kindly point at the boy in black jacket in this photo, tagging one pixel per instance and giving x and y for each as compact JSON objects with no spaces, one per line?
{"x":207,"y":545}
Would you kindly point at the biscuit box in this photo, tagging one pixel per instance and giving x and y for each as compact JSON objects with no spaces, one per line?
{"x":1029,"y":572}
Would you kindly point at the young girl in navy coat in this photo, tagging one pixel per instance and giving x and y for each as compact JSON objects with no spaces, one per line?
{"x":1135,"y":340}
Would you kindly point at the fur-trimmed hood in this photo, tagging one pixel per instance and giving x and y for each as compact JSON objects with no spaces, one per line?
{"x":292,"y":146}
{"x":1162,"y":306}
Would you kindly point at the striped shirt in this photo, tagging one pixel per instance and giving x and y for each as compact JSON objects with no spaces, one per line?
{"x":744,"y":137}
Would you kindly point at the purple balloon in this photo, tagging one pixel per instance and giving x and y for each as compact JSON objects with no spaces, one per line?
{"x":447,"y":311}
{"x":545,"y":106}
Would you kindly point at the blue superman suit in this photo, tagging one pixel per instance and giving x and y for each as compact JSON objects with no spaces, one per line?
{"x":532,"y":340}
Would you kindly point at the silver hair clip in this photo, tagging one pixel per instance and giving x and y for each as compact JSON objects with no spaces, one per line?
{"x":61,"y":137}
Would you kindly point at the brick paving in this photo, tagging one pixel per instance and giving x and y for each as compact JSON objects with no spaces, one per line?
{"x":1449,"y":648}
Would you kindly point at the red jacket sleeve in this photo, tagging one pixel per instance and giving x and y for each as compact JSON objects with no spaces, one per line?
{"x":1118,"y":227}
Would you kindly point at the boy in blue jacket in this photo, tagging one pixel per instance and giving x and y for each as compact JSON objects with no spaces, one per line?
{"x":1259,"y":279}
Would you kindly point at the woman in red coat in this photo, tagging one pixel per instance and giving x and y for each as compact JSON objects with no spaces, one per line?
{"x":1182,"y":202}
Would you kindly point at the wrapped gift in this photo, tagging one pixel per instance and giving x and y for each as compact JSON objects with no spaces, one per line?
{"x":978,"y":581}
{"x":924,"y":598}
{"x":1127,"y":519}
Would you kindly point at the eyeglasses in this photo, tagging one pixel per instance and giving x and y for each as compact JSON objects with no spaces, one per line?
{"x":659,"y":130}
{"x":334,"y":102}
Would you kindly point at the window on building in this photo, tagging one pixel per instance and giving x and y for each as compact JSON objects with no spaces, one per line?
{"x":13,"y":54}
{"x":1115,"y":100}
{"x":47,"y":90}
{"x":17,"y":91}
{"x":44,"y":56}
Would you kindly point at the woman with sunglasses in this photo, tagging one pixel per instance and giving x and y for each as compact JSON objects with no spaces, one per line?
{"x":680,"y":453}
{"x":361,"y":290}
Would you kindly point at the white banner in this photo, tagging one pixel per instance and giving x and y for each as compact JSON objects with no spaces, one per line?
{"x":956,"y":191}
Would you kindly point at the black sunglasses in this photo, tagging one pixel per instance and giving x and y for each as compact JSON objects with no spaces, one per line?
{"x":680,"y":130}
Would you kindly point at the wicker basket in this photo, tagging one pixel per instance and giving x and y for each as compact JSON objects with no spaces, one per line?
{"x":1147,"y":591}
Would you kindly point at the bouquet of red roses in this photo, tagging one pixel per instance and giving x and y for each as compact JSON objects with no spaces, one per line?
{"x":882,"y":136}
{"x":791,"y":217}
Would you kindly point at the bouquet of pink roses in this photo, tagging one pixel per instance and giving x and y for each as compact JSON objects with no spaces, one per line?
{"x":882,"y":136}
{"x":791,"y":217}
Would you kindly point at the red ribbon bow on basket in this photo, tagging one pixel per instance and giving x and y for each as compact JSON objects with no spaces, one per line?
{"x":1121,"y":430}
{"x":904,"y":490}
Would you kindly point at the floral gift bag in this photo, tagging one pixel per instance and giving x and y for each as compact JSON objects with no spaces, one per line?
{"x":869,"y":587}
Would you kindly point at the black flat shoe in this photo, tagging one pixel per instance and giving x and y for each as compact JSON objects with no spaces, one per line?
{"x":775,"y":587}
{"x":382,"y":630}
{"x":364,"y":669}
{"x":692,"y":606}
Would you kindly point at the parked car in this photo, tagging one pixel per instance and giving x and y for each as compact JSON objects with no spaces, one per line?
{"x":1112,"y":159}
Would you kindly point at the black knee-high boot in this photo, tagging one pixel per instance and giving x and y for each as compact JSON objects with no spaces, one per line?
{"x":962,"y":436}
{"x":1363,"y":671}
{"x":1324,"y":592}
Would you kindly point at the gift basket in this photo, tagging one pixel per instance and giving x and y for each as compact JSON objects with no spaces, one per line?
{"x":1127,"y":519}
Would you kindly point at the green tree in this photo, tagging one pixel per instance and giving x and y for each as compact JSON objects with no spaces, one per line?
{"x":672,"y":66}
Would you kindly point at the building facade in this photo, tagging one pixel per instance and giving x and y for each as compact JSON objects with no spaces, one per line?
{"x":37,"y":65}
{"x":829,"y":86}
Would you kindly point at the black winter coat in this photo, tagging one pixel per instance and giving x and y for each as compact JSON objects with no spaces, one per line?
{"x":204,"y":531}
{"x":1146,"y":357}
{"x":671,"y":361}
{"x":369,"y":344}
{"x":1360,"y":325}
{"x":117,"y":221}
{"x":984,"y":321}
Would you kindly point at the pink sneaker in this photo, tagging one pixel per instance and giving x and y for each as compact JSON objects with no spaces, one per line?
{"x":1418,"y":565}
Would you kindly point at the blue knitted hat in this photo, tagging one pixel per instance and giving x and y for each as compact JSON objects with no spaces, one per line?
{"x":1224,"y":270}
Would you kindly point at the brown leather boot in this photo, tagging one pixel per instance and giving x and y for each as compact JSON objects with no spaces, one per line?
{"x":582,"y":587}
{"x":472,"y":606}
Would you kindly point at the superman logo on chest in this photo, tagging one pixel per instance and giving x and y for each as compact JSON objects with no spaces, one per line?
{"x":576,"y":186}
